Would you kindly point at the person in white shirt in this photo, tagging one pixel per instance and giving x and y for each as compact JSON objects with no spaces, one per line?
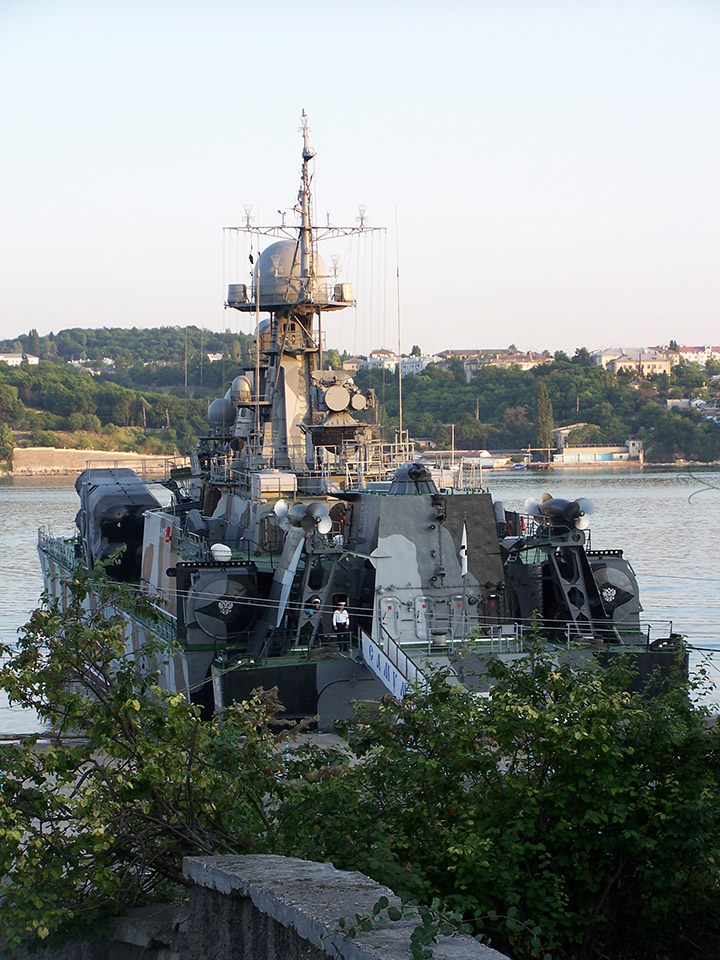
{"x":341,"y":618}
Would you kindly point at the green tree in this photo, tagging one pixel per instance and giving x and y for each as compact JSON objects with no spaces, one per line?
{"x":544,"y":421}
{"x":590,"y":433}
{"x":7,"y":443}
{"x":102,"y":822}
{"x":11,"y":407}
{"x":33,"y":346}
{"x":562,"y":814}
{"x":332,"y":360}
{"x":582,"y":357}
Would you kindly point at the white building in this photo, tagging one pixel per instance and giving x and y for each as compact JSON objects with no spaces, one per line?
{"x":416,"y":364}
{"x":379,"y":359}
{"x":600,"y":453}
{"x":16,"y":359}
{"x":699,"y":355}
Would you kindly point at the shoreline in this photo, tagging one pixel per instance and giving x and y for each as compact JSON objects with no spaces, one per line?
{"x":59,"y":461}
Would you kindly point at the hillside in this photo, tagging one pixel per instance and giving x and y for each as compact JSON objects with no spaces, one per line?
{"x":148,"y":392}
{"x":498,"y":409}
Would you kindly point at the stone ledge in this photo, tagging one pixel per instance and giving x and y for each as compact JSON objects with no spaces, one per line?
{"x":310,"y":898}
{"x":260,"y":908}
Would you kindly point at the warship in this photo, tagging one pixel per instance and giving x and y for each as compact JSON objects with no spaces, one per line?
{"x":302,"y":550}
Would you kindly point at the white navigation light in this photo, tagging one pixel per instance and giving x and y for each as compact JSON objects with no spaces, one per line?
{"x":221,"y":552}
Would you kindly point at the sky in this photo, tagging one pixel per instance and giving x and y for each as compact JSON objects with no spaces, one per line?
{"x":546,"y":170}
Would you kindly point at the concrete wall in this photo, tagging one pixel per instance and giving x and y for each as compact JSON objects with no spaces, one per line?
{"x":263,"y":908}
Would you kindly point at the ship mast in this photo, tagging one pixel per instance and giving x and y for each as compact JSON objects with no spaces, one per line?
{"x":307,"y":264}
{"x":298,"y":407}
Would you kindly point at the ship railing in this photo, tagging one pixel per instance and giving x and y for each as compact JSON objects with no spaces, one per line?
{"x":498,"y":638}
{"x":147,"y":468}
{"x":377,"y":459}
{"x":329,"y":642}
{"x":642,"y":633}
{"x":220,"y":470}
{"x":164,"y":625}
{"x":309,"y":481}
{"x":247,"y":549}
{"x":63,"y":551}
{"x":399,"y":659}
{"x":191,"y":546}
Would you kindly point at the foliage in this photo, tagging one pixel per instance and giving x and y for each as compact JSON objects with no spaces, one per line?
{"x":49,"y":397}
{"x":93,"y":824}
{"x":563,"y":815}
{"x":7,"y":443}
{"x":498,"y":408}
{"x":44,"y":438}
{"x":544,"y":422}
{"x":159,"y":379}
{"x":129,"y":346}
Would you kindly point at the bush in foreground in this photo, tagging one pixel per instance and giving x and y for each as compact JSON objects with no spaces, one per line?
{"x":563,"y":817}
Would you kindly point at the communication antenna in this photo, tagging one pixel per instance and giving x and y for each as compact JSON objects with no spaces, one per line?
{"x":399,"y":351}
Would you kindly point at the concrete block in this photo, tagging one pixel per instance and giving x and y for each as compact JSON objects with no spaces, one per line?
{"x":310,"y":898}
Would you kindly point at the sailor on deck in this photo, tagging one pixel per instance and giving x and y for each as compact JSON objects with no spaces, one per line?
{"x":341,"y":618}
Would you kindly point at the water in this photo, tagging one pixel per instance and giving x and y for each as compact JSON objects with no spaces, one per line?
{"x":25,"y":504}
{"x":663,"y":519}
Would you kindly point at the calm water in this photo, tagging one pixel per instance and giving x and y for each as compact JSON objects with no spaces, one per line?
{"x":662,"y":519}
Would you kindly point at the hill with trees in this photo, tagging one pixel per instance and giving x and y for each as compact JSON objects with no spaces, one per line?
{"x":500,"y":408}
{"x":151,"y":396}
{"x":53,"y":405}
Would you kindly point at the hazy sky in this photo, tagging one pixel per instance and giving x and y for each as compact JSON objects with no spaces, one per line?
{"x":552,"y":167}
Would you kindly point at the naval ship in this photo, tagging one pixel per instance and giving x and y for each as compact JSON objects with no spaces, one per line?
{"x":301,"y":550}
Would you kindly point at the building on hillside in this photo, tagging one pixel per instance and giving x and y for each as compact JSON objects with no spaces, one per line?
{"x":646,"y":363}
{"x":473,"y":361}
{"x":623,"y":362}
{"x":699,"y":355}
{"x":410,"y":365}
{"x":601,"y":358}
{"x":466,"y":354}
{"x":599,"y":453}
{"x":652,"y":362}
{"x":646,"y":360}
{"x":380,"y":359}
{"x":214,"y":357}
{"x":17,"y":359}
{"x":389,"y":360}
{"x":693,"y":355}
{"x":560,"y":434}
{"x":352,"y":364}
{"x":526,"y":361}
